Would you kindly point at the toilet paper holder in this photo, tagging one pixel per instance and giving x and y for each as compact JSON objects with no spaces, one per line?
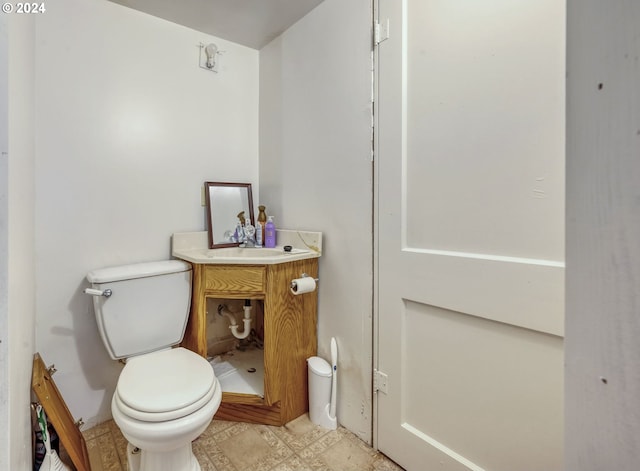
{"x":304,"y":275}
{"x":292,"y":285}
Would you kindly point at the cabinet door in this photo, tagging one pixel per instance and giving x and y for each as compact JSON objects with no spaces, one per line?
{"x":290,"y":337}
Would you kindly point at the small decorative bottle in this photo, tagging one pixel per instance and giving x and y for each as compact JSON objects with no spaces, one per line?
{"x":262,"y":219}
{"x":249,"y":231}
{"x":259,"y":229}
{"x":270,"y":234}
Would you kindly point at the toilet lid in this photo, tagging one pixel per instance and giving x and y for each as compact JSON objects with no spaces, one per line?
{"x":165,"y":381}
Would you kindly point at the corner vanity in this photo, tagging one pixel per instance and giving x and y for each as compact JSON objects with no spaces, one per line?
{"x":287,"y":321}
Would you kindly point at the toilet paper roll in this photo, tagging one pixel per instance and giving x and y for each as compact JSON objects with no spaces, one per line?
{"x":303,"y":285}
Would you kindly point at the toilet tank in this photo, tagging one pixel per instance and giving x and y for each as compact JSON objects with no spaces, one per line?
{"x":148,"y":308}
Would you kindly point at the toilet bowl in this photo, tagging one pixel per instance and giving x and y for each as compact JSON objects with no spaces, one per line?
{"x":163,"y":401}
{"x":165,"y":397}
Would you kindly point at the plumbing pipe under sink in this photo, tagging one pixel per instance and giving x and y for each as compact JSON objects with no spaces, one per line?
{"x":223,"y":311}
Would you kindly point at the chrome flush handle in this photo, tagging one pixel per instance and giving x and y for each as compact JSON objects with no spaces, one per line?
{"x":96,"y":292}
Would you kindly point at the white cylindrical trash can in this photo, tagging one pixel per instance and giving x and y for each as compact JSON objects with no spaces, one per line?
{"x":319,"y":390}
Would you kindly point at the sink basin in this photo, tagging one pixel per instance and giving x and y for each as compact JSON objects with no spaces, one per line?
{"x":243,"y":255}
{"x":194,"y":247}
{"x":246,"y":252}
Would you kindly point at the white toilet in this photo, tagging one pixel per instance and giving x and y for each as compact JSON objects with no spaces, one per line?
{"x":165,"y":397}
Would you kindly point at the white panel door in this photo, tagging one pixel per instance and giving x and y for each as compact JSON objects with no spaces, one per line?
{"x":470,"y":228}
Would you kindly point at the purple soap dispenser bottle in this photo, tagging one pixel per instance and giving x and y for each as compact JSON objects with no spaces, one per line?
{"x":270,"y":234}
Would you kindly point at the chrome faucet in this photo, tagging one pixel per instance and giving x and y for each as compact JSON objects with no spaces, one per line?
{"x":249,"y":233}
{"x":239,"y":234}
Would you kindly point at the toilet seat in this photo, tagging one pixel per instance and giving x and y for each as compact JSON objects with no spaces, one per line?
{"x":163,"y":416}
{"x":164,"y":385}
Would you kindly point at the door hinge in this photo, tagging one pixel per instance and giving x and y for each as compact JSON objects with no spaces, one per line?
{"x":380,"y":381}
{"x":381,"y":31}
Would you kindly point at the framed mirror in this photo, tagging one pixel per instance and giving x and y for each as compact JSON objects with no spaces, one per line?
{"x":225,"y":201}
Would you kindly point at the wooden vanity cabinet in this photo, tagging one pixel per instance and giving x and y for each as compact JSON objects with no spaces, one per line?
{"x":289,"y":334}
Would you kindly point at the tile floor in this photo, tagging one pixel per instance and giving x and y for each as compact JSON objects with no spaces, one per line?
{"x":300,"y":445}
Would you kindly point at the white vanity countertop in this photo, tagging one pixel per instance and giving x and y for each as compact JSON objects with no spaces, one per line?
{"x":194,"y":247}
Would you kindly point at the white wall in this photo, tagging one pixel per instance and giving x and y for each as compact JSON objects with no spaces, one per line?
{"x":21,"y":302}
{"x":316,"y":174}
{"x":128,"y":128}
{"x":602,"y":373}
{"x":4,"y":243}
